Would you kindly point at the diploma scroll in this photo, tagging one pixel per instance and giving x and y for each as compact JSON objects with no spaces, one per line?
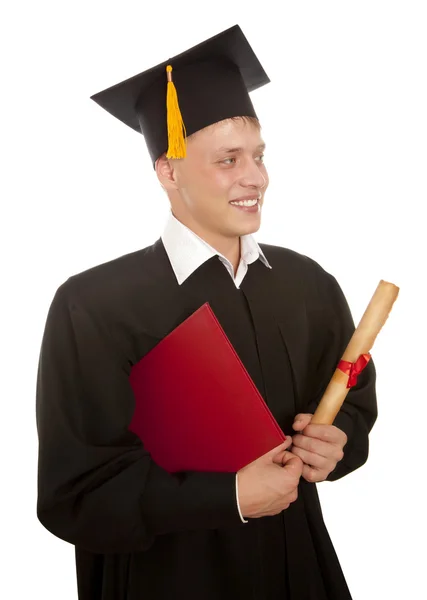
{"x":356,"y":355}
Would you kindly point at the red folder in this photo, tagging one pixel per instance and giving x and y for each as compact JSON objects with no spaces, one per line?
{"x":196,"y":407}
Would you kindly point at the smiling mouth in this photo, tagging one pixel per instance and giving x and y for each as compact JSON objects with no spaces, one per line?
{"x":247,"y":203}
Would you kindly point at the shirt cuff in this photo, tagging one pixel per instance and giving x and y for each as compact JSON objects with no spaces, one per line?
{"x":238,"y":505}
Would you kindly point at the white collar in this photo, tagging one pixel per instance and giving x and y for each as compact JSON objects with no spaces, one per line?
{"x":187,"y":251}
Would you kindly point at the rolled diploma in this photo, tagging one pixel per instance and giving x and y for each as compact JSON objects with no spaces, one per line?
{"x":361,"y":342}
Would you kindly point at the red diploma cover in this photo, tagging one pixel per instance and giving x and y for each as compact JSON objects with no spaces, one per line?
{"x":196,"y":407}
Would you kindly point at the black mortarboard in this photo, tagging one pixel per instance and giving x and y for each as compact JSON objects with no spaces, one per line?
{"x":204,"y":85}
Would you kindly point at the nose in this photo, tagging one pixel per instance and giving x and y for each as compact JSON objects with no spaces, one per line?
{"x":252,"y":175}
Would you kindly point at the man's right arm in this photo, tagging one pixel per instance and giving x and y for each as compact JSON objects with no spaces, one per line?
{"x":98,"y":488}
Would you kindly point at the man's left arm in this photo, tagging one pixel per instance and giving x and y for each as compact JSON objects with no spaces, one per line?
{"x":332,"y":451}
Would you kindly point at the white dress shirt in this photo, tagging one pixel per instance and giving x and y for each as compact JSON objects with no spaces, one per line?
{"x":187,"y":252}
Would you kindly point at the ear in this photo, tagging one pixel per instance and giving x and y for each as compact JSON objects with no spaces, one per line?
{"x":166,"y":173}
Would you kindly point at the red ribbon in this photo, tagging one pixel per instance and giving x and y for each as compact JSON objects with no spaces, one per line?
{"x":353,"y":370}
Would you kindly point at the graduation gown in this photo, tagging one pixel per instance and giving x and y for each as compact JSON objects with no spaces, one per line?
{"x":143,"y":534}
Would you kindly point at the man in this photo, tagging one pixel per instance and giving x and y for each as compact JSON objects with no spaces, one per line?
{"x":139,"y":532}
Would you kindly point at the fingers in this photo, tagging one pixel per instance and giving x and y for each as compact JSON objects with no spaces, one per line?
{"x":326,"y":433}
{"x":319,"y":457}
{"x":327,"y":450}
{"x":314,"y":460}
{"x":314,"y":475}
{"x":288,"y":442}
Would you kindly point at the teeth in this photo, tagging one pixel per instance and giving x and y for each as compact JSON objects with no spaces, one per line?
{"x":245,"y":203}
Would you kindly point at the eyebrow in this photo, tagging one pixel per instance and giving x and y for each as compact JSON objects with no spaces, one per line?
{"x":226,"y":150}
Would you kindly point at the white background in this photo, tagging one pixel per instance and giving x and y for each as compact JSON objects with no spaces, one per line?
{"x":344,"y":119}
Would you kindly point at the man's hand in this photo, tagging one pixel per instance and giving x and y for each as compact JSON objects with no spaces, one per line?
{"x":320,"y":447}
{"x":269,"y":484}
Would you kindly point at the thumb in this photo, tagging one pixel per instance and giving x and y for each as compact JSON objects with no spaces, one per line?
{"x":293,"y":464}
{"x":301,"y":421}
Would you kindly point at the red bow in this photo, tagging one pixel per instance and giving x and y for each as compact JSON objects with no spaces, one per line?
{"x":353,"y":370}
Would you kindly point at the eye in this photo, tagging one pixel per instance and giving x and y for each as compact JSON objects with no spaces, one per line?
{"x":261,"y":158}
{"x":226,"y":159}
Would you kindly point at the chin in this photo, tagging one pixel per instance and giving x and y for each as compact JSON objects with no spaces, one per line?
{"x":249,"y":228}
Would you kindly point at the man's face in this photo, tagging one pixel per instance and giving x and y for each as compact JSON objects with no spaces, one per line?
{"x":224,"y":163}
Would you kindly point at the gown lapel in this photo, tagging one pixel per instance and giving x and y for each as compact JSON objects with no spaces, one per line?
{"x":260,"y":291}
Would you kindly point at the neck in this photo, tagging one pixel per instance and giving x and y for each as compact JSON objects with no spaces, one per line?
{"x":227,"y":246}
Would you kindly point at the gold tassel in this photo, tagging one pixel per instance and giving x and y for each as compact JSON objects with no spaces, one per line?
{"x":176,"y":128}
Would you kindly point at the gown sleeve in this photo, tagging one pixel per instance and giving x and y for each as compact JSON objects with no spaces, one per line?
{"x":359,"y":410}
{"x":98,"y":488}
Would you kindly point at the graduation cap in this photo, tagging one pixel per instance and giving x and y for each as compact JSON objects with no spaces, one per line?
{"x":201,"y":86}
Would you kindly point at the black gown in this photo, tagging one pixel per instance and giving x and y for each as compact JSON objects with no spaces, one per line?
{"x":143,"y":534}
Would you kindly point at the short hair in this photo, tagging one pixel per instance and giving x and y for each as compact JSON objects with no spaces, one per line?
{"x":253,"y":120}
{"x":244,"y":118}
